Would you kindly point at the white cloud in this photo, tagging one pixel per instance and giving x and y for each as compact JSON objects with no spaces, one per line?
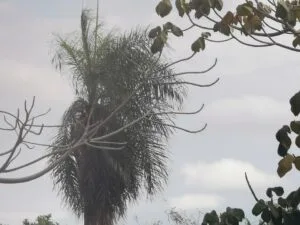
{"x":245,"y":109}
{"x":196,"y":201}
{"x":225,"y":174}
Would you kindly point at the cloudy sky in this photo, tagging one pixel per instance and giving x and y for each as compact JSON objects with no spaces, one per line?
{"x":243,"y":110}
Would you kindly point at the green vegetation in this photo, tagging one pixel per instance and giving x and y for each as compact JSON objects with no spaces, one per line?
{"x":41,"y":220}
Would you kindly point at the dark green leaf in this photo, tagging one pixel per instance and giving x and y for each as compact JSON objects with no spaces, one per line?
{"x":179,"y":6}
{"x":157,"y":45}
{"x":244,"y":10}
{"x":285,"y":165}
{"x":198,"y":45}
{"x":235,"y":212}
{"x":296,"y":42}
{"x":297,"y":141}
{"x":232,"y":220}
{"x":204,"y":9}
{"x":295,"y":104}
{"x":259,"y":207}
{"x":282,"y":10}
{"x":163,"y":8}
{"x":283,"y":138}
{"x":154,"y":32}
{"x":266,"y":215}
{"x":295,"y":126}
{"x":228,"y":18}
{"x":293,"y":199}
{"x":218,"y":4}
{"x":211,"y":218}
{"x":222,"y":28}
{"x":282,"y":202}
{"x":269,"y":192}
{"x":278,"y":191}
{"x":282,"y":132}
{"x":282,"y":151}
{"x":167,"y":26}
{"x":176,"y":31}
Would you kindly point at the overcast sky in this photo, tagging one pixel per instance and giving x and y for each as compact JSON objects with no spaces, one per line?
{"x":243,"y":110}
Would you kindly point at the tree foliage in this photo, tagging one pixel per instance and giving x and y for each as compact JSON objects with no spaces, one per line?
{"x":41,"y":220}
{"x":285,"y":142}
{"x":263,"y":22}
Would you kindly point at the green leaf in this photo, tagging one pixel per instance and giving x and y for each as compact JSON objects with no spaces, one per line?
{"x":223,"y":26}
{"x":282,"y":10}
{"x":204,"y":9}
{"x":157,"y":45}
{"x":295,"y":104}
{"x":232,"y":220}
{"x":235,"y":212}
{"x":285,"y":165}
{"x":173,"y":28}
{"x":283,"y":138}
{"x":269,"y":192}
{"x":282,"y":151}
{"x":244,"y":10}
{"x":195,"y":4}
{"x":219,"y":4}
{"x":251,"y":24}
{"x":228,"y":18}
{"x":278,"y":191}
{"x":295,"y":126}
{"x":282,"y":202}
{"x":286,"y":141}
{"x":211,"y":218}
{"x":179,"y":5}
{"x":297,"y":141}
{"x":259,"y":207}
{"x":256,"y":23}
{"x":176,"y":31}
{"x":216,"y":4}
{"x":296,"y":42}
{"x":262,"y":10}
{"x":163,"y":8}
{"x":198,"y":45}
{"x":282,"y":131}
{"x":266,"y":215}
{"x":293,"y":199}
{"x":167,"y":26}
{"x":154,"y":32}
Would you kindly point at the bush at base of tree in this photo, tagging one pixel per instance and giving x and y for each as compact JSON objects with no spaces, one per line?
{"x":41,"y":220}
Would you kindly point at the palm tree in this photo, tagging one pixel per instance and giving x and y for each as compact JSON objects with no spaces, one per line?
{"x":105,"y":70}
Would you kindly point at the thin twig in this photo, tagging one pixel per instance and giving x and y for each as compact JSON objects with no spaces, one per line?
{"x":248,"y":183}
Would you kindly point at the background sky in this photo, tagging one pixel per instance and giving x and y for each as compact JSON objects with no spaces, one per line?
{"x":243,"y":111}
